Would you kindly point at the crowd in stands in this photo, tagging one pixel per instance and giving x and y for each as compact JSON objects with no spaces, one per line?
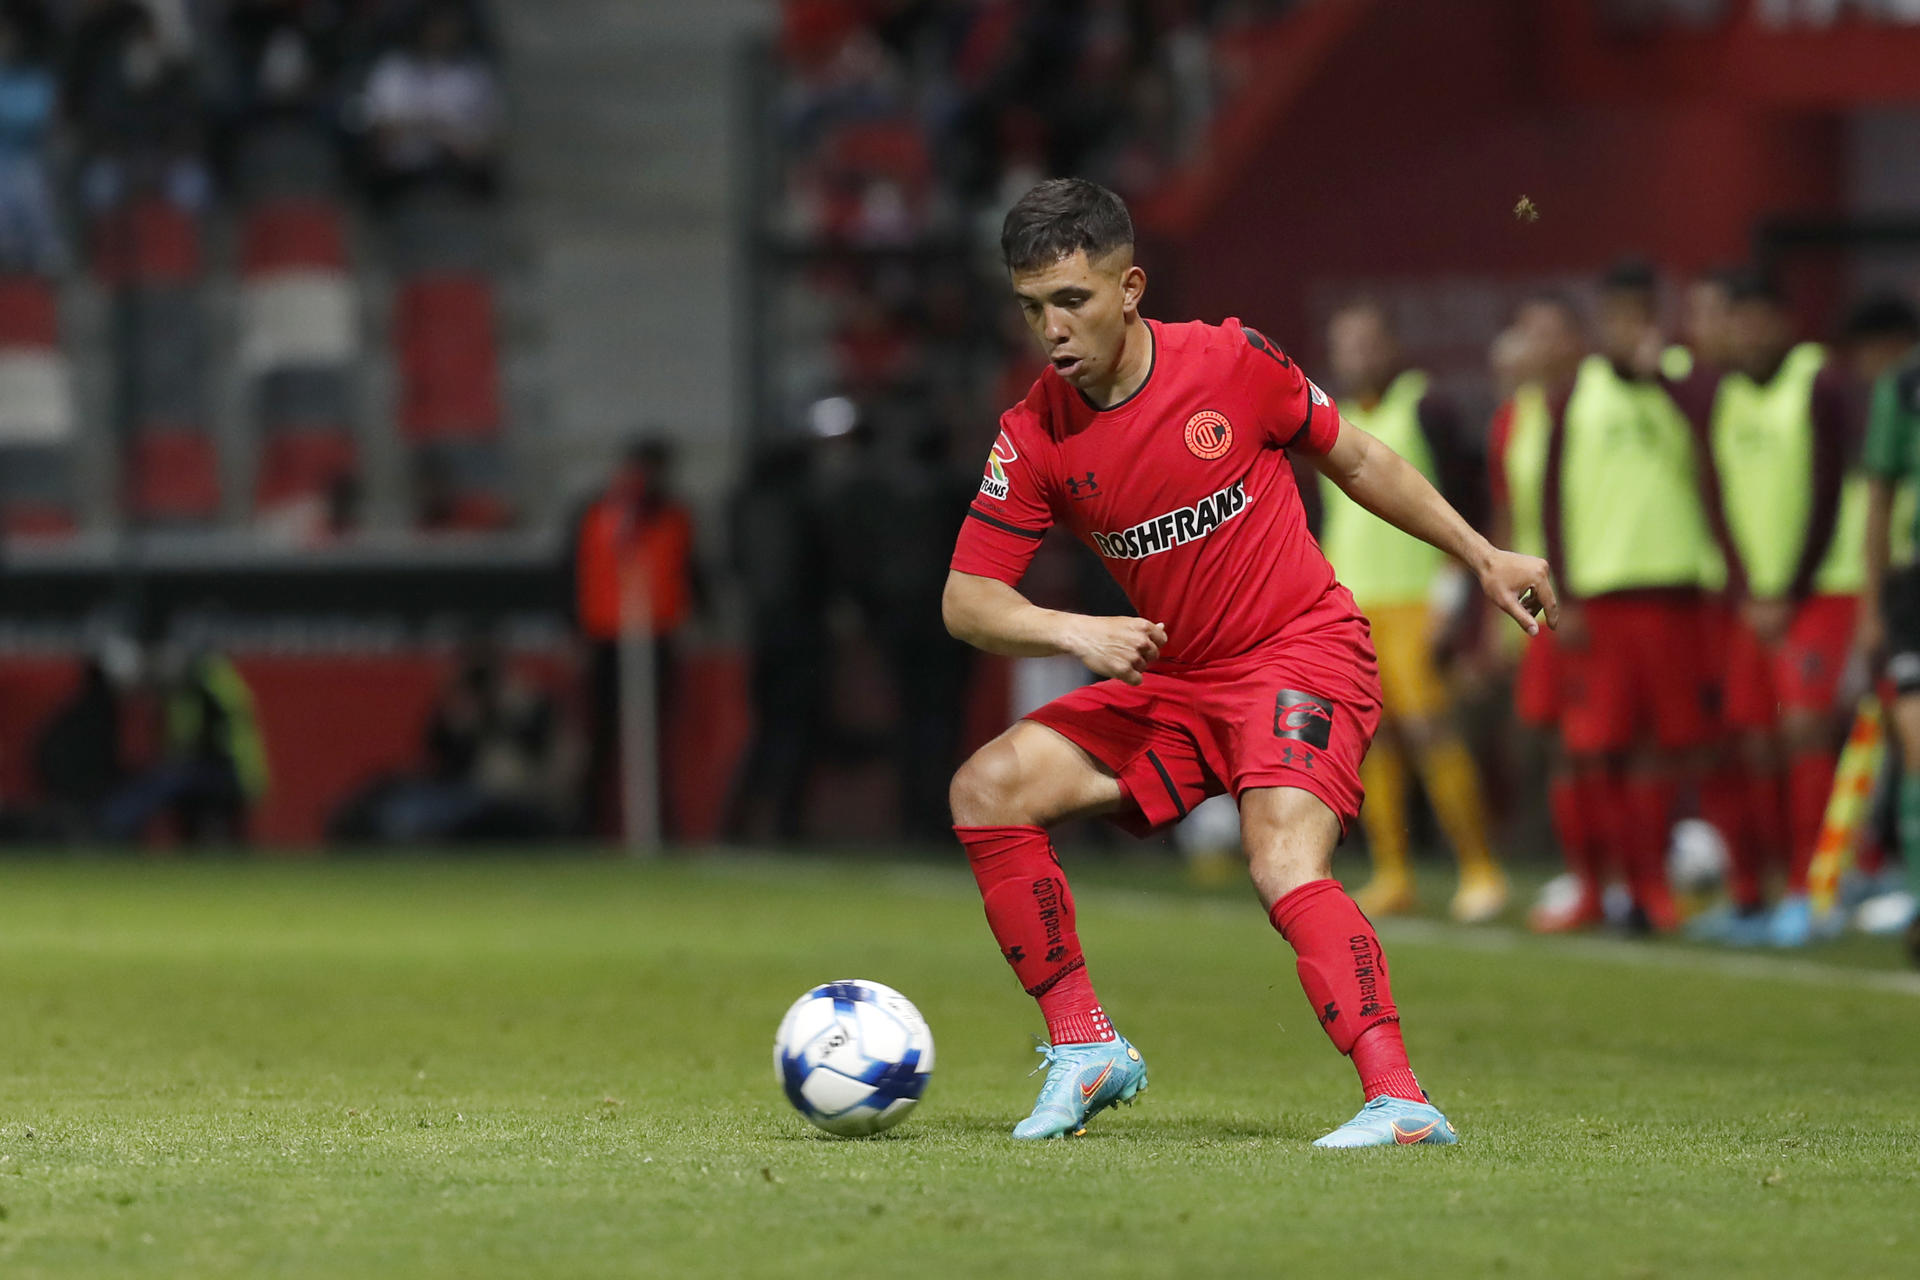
{"x":139,"y":139}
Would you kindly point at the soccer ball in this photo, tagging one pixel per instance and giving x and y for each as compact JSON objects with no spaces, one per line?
{"x":1697,"y":857}
{"x":853,"y":1056}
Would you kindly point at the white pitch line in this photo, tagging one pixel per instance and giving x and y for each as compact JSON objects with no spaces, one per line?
{"x":1746,"y":966}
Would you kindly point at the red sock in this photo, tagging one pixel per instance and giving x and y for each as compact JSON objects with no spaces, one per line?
{"x":1767,"y":807}
{"x":1030,"y":910}
{"x":1647,"y":820}
{"x":1725,"y":797}
{"x":1600,"y":794}
{"x":1575,"y":831}
{"x":1344,"y":973}
{"x":1809,"y":783}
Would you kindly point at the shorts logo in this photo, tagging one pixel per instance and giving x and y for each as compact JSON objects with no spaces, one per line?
{"x":994,"y":482}
{"x":1303,"y":717}
{"x":1209,"y":435}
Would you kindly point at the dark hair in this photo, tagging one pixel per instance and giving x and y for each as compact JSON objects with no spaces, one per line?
{"x":1058,"y":218}
{"x":1881,"y":315}
{"x":1630,"y":275}
{"x":1752,"y":284}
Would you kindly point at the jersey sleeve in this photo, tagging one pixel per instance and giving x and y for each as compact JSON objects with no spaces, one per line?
{"x":1010,"y":514}
{"x":1294,"y":413}
{"x":1885,"y":453}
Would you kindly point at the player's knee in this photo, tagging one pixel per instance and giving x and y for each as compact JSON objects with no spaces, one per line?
{"x":985,"y":790}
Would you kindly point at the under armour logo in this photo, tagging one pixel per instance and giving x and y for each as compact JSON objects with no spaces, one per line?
{"x":1090,"y":485}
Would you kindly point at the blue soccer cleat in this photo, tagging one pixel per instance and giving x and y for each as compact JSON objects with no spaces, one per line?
{"x":1391,"y":1122}
{"x":1082,"y":1080}
{"x":1791,"y":924}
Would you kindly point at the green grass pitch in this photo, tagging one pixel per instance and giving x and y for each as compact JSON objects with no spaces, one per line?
{"x":517,"y":1069}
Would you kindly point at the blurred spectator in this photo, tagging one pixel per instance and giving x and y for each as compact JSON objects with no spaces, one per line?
{"x":281,"y":60}
{"x":633,"y":575}
{"x":498,"y":766}
{"x":213,"y":764}
{"x":29,"y":227}
{"x":433,"y":107}
{"x":136,"y":107}
{"x":780,"y":554}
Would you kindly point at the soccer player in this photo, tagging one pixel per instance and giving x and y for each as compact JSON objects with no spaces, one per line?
{"x":1398,"y":582}
{"x":1892,"y":457}
{"x":1637,"y":539}
{"x":1783,"y":447}
{"x":1164,"y":448}
{"x":1551,"y":341}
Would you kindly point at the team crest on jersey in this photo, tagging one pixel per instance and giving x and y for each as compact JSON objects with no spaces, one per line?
{"x":994,"y":482}
{"x":1319,"y":396}
{"x":1209,"y":435}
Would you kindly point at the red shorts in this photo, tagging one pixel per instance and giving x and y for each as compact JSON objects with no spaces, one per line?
{"x":1536,"y":688}
{"x":1802,"y":674}
{"x":1300,"y":715}
{"x":1642,"y":674}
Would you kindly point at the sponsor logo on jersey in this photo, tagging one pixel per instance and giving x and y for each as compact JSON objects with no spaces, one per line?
{"x":994,"y":482}
{"x":1175,"y":528}
{"x":1209,"y":435}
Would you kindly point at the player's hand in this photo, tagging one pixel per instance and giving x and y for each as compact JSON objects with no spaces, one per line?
{"x":1117,"y":648}
{"x":1521,"y":586}
{"x":1767,"y":619}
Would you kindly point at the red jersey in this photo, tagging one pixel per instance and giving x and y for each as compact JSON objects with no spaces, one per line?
{"x":1183,"y":489}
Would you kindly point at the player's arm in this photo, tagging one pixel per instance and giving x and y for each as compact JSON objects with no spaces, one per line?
{"x":1392,"y":488}
{"x":988,"y":614}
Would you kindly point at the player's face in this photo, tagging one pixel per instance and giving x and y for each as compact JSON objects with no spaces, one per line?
{"x":1626,"y":324}
{"x":1872,"y":357}
{"x":1554,"y":342}
{"x":1360,"y":351}
{"x":1078,"y":311}
{"x":1758,"y":334}
{"x":1707,"y":307}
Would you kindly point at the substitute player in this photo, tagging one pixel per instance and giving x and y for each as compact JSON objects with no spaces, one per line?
{"x":1892,"y":458}
{"x":1398,"y":581}
{"x":1633,"y":525}
{"x":1784,"y":448}
{"x":1552,"y":341}
{"x":1163,"y":447}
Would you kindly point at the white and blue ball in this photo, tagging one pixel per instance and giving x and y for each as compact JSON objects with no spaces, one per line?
{"x":853,"y":1056}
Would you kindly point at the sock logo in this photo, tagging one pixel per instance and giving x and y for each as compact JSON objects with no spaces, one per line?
{"x":1304,"y":717}
{"x":1046,"y":898}
{"x":1366,"y":972}
{"x":1049,"y":983}
{"x":1015,"y":955}
{"x":1328,"y":1014}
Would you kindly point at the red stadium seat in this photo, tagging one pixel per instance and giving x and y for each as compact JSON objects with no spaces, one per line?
{"x":292,"y":235}
{"x":449,"y":360}
{"x":150,"y":241}
{"x":29,"y":313}
{"x":173,"y":473}
{"x":894,"y":149}
{"x":294,"y":464}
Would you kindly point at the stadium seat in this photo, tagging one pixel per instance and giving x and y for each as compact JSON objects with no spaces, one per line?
{"x":173,"y":474}
{"x":150,"y":242}
{"x":36,"y":488}
{"x":292,"y":234}
{"x":298,"y":318}
{"x":29,"y":313}
{"x":303,"y":461}
{"x":460,"y":486}
{"x":36,"y":396}
{"x":449,"y":363}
